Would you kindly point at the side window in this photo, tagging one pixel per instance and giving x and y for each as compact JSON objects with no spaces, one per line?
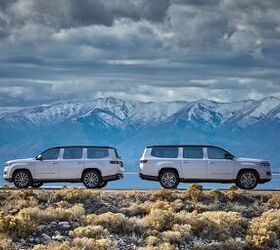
{"x":97,"y":153}
{"x":216,"y":153}
{"x":165,"y":152}
{"x":73,"y":153}
{"x":193,"y":152}
{"x":51,"y":154}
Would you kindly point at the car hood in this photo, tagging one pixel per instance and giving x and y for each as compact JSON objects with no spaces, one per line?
{"x":249,"y":160}
{"x":21,"y":160}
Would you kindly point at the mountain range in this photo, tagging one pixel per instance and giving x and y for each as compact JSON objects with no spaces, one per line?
{"x":248,"y":128}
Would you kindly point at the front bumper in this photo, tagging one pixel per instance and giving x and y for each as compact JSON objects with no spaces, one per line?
{"x":112,"y":177}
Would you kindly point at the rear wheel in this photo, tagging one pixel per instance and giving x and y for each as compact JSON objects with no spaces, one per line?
{"x":169,"y":179}
{"x":37,"y":184}
{"x":22,"y":179}
{"x":92,"y":179}
{"x":247,"y":180}
{"x":102,"y":184}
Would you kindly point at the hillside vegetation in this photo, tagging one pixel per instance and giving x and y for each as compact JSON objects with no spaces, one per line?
{"x":74,"y":218}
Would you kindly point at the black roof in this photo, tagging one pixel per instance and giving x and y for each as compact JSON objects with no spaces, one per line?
{"x":83,"y":146}
{"x":184,"y":145}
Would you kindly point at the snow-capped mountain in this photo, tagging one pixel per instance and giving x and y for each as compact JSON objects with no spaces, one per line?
{"x":246,"y":127}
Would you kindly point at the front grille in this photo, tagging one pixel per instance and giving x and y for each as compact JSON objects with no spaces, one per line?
{"x":268,"y":173}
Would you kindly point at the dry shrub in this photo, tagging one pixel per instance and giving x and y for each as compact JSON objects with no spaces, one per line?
{"x":265,"y":230}
{"x":146,"y":207}
{"x":5,"y":242}
{"x":162,"y":246}
{"x":274,"y":201}
{"x":216,"y":225}
{"x":115,"y":222}
{"x":159,"y":219}
{"x":79,"y":243}
{"x":75,"y":194}
{"x":91,"y":232}
{"x":16,"y":226}
{"x":216,"y":194}
{"x":52,"y":214}
{"x":195,"y":192}
{"x":233,"y":188}
{"x":230,"y":244}
{"x":164,"y":194}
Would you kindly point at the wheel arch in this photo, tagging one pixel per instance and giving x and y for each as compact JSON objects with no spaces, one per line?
{"x":90,"y":169}
{"x":168,"y":169}
{"x":21,"y":169}
{"x":248,"y":169}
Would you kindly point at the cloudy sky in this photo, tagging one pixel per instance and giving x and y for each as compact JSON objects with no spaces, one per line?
{"x":145,"y":50}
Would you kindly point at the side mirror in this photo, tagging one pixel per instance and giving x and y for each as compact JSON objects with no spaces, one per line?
{"x":229,"y":156}
{"x":39,"y":157}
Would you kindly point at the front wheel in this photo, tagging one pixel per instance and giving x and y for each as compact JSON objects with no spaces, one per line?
{"x":37,"y":184}
{"x":247,"y":180}
{"x":22,"y":179}
{"x":92,"y":179}
{"x":169,"y":179}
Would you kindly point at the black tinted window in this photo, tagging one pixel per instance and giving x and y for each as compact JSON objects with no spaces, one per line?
{"x":73,"y":153}
{"x":95,"y":153}
{"x":165,"y":152}
{"x":193,"y":152}
{"x":216,"y":153}
{"x":51,"y":154}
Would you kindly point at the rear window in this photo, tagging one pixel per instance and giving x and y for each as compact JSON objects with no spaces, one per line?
{"x":165,"y":152}
{"x":193,"y":152}
{"x":73,"y":153}
{"x":97,"y":153}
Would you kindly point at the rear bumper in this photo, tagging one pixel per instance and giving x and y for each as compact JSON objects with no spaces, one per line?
{"x":148,"y":177}
{"x":112,"y":177}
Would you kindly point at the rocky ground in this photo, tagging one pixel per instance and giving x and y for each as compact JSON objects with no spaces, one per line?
{"x":74,"y":218}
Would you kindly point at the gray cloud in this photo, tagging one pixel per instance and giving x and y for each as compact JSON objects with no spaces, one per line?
{"x":147,"y":50}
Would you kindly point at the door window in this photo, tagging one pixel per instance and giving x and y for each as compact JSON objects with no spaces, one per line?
{"x":193,"y":152}
{"x":165,"y":152}
{"x":216,"y":153}
{"x":51,"y":154}
{"x":97,"y":153}
{"x":73,"y":153}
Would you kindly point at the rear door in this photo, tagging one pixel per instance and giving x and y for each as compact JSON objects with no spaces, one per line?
{"x":219,"y":166}
{"x":48,"y":167}
{"x":72,"y":163}
{"x":194,"y":164}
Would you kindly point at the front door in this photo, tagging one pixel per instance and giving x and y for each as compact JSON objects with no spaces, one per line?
{"x":72,"y":163}
{"x":194,"y":165}
{"x":47,"y":168}
{"x":219,"y":166}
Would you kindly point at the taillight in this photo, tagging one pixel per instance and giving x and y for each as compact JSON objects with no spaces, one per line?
{"x":143,"y":161}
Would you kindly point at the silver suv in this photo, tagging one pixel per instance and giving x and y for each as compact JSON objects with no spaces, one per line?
{"x":171,"y":164}
{"x":92,"y":165}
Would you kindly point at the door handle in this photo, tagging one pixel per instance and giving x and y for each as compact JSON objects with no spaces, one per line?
{"x":54,"y":162}
{"x":185,"y":162}
{"x":211,"y":162}
{"x":79,"y":162}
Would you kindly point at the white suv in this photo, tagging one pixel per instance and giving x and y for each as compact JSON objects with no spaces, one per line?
{"x":92,"y":165}
{"x":171,"y":164}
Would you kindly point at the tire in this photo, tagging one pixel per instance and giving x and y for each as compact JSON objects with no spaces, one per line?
{"x":91,"y":179}
{"x":103,"y":184}
{"x":22,"y":179}
{"x":37,"y":184}
{"x":247,"y":180}
{"x":169,"y":179}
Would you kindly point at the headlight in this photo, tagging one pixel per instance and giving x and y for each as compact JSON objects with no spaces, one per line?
{"x":265,"y":164}
{"x":7,"y":164}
